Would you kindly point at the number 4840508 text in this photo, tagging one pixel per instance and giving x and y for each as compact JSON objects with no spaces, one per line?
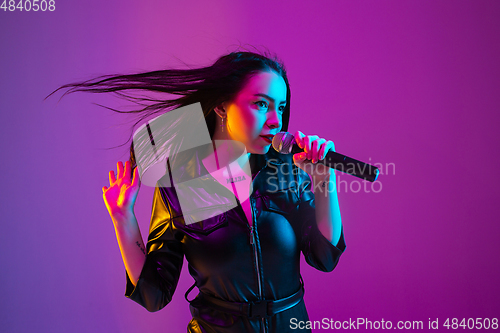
{"x":29,"y":5}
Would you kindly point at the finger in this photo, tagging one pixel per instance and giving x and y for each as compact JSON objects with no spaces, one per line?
{"x":306,"y":145}
{"x":127,"y":171}
{"x":314,"y":150}
{"x":112,"y":178}
{"x":119,"y":167}
{"x":299,"y":138}
{"x":316,"y":145}
{"x":299,"y":157}
{"x":135,"y":180}
{"x":311,"y":152}
{"x":308,"y":140}
{"x":104,"y":188}
{"x":322,"y":151}
{"x":329,"y":146}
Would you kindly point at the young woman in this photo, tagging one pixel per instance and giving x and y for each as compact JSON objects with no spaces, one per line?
{"x":245,"y":260}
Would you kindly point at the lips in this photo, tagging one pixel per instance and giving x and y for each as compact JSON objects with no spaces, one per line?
{"x":268,"y":138}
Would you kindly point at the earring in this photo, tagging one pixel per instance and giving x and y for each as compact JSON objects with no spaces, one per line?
{"x":222,"y":125}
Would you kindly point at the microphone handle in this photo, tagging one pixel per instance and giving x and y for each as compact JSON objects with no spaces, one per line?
{"x":346,"y":164}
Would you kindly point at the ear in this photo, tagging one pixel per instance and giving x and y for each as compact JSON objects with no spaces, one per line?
{"x":221,"y":110}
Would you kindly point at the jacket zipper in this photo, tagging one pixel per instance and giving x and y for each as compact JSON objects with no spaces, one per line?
{"x":253,"y":242}
{"x":256,"y":255}
{"x":254,"y":245}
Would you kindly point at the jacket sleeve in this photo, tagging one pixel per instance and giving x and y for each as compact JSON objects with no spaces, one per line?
{"x":317,"y":250}
{"x":161,"y":271}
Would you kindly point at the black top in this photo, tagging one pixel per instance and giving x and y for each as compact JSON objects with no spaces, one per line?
{"x":227,"y":258}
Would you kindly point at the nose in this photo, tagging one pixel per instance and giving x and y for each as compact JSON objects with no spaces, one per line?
{"x":273,"y":119}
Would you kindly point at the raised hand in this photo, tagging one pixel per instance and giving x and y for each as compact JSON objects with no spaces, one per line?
{"x":122,"y":192}
{"x":315,"y":149}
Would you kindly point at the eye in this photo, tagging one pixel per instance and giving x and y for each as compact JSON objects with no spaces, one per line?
{"x":282,"y":108}
{"x":261,"y":103}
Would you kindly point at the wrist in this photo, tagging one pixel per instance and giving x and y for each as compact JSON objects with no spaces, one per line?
{"x":326,"y":184}
{"x":123,"y":218}
{"x":321,"y":178}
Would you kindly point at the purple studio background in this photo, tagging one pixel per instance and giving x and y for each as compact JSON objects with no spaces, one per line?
{"x":411,"y":85}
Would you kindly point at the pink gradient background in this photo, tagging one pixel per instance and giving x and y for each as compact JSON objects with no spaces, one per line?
{"x":414,"y":83}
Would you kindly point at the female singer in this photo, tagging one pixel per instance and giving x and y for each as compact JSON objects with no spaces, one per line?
{"x":245,"y":260}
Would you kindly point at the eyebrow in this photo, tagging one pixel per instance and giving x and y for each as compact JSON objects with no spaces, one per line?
{"x":269,"y":98}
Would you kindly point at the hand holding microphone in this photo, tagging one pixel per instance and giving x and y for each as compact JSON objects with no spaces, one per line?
{"x":318,"y":151}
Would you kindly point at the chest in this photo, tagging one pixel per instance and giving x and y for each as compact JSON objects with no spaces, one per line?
{"x":242,"y":188}
{"x":247,"y":210}
{"x":239,"y":183}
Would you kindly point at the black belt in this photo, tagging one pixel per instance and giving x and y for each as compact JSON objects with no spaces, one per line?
{"x":263,"y":308}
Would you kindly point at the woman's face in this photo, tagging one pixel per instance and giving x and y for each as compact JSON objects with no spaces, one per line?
{"x":257,"y":110}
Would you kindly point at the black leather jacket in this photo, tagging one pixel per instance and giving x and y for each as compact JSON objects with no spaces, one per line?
{"x":227,"y":258}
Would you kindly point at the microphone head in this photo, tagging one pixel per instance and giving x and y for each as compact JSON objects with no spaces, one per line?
{"x":283,"y":142}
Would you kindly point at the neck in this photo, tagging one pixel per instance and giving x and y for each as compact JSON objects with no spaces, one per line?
{"x":224,"y":152}
{"x":227,"y":150}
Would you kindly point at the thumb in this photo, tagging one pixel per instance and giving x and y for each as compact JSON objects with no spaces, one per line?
{"x":135,"y":180}
{"x":299,"y":158}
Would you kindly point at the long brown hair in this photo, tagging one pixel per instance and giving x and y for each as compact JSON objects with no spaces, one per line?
{"x":210,"y":86}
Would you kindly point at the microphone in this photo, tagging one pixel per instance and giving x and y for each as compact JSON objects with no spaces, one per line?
{"x":284,"y":143}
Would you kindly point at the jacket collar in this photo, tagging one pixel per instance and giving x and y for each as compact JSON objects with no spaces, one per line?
{"x":260,"y":161}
